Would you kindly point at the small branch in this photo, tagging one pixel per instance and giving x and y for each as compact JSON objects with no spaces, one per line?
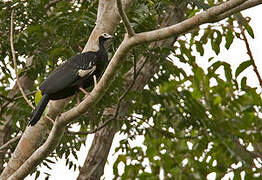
{"x":14,"y":61}
{"x":251,"y":56}
{"x":92,"y":131}
{"x":6,"y":98}
{"x":16,"y":98}
{"x":9,"y":100}
{"x":51,"y":3}
{"x":27,"y":94}
{"x":4,"y":106}
{"x":130,"y":31}
{"x":10,"y":142}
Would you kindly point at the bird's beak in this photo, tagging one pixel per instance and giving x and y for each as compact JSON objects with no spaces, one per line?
{"x":109,"y":36}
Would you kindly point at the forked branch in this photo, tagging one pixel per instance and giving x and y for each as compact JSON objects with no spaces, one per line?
{"x":130,"y":31}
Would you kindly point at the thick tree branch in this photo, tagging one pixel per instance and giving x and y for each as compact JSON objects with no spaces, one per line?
{"x":14,"y":61}
{"x":103,"y":84}
{"x":246,"y":5}
{"x":205,"y":17}
{"x":130,"y":31}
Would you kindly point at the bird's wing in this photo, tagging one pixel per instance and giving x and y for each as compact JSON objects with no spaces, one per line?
{"x":68,"y":73}
{"x":62,"y":77}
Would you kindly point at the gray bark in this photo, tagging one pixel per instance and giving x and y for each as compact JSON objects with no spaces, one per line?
{"x":93,"y":167}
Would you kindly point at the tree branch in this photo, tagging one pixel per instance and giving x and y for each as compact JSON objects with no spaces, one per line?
{"x":245,"y":5}
{"x":9,"y":100}
{"x":51,"y":3}
{"x":205,"y":17}
{"x":130,"y":31}
{"x":14,"y":61}
{"x":6,"y":98}
{"x":10,"y":142}
{"x":249,"y":52}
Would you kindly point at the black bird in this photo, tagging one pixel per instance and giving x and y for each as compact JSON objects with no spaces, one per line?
{"x":70,"y":77}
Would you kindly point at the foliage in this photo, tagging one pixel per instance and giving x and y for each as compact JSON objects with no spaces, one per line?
{"x":192,"y":123}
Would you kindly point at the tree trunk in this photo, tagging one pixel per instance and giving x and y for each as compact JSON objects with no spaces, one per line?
{"x":26,"y":83}
{"x":93,"y":167}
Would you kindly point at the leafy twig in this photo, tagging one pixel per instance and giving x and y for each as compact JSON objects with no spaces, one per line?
{"x":249,"y":52}
{"x":14,"y":61}
{"x":129,"y":29}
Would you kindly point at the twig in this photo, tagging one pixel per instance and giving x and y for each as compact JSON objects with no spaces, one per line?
{"x":14,"y":61}
{"x":135,"y":74}
{"x":3,"y":107}
{"x":251,"y":56}
{"x":27,"y":94}
{"x":130,"y":31}
{"x":13,"y":99}
{"x":16,"y":98}
{"x":10,"y":142}
{"x":51,"y":3}
{"x":5,"y":98}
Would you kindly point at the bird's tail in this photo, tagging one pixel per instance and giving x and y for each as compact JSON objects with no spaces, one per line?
{"x":38,"y":111}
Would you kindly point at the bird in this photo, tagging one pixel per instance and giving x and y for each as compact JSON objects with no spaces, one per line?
{"x":74,"y":75}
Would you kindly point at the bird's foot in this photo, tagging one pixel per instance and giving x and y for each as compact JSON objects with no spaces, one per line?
{"x":84,"y":91}
{"x":50,"y":119}
{"x":95,"y":80}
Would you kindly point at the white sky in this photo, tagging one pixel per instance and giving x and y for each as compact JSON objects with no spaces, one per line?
{"x":236,"y":54}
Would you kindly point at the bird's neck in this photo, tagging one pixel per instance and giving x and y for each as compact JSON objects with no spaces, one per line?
{"x":102,"y":48}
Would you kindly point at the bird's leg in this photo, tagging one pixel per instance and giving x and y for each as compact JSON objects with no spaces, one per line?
{"x":84,"y":91}
{"x":50,"y":119}
{"x":77,"y":99}
{"x":95,"y":81}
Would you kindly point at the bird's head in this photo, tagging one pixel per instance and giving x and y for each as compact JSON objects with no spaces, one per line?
{"x":103,"y":37}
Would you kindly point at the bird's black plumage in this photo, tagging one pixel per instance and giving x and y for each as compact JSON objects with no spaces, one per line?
{"x":75,"y":73}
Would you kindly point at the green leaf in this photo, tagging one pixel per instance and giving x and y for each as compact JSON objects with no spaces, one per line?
{"x":37,"y":174}
{"x":243,"y":82}
{"x":242,"y":67}
{"x":215,"y":41}
{"x":122,"y":158}
{"x":229,"y":39}
{"x":249,"y":30}
{"x":38,"y":97}
{"x":199,"y":48}
{"x":218,"y":100}
{"x":228,"y":71}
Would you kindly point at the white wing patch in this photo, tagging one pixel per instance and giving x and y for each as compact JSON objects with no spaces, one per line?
{"x":84,"y":72}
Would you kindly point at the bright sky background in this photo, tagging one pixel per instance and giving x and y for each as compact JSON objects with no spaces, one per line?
{"x":236,"y":54}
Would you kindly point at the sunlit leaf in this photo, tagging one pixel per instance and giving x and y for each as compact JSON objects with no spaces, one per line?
{"x":244,"y":65}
